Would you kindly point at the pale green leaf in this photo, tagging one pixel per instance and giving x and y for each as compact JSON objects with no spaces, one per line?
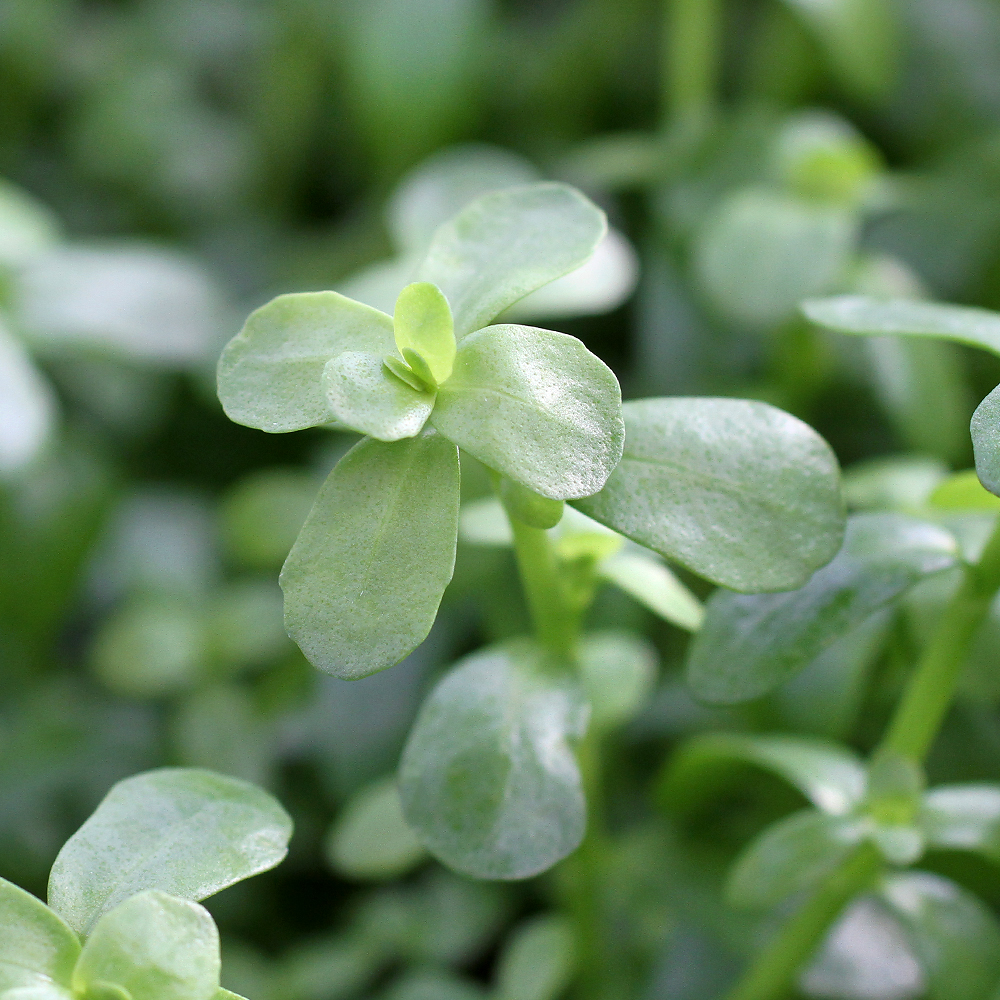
{"x":750,"y":643}
{"x":761,"y":252}
{"x":487,"y":778}
{"x":538,"y":960}
{"x":897,"y":482}
{"x":986,"y":440}
{"x":36,"y":948}
{"x":27,"y":226}
{"x":963,"y":491}
{"x":27,"y":406}
{"x":484,"y":522}
{"x":428,"y":984}
{"x":654,"y":585}
{"x":364,"y":579}
{"x":536,"y":406}
{"x":222,"y":994}
{"x":963,"y":818}
{"x":183,"y":831}
{"x":506,"y":244}
{"x":46,"y":991}
{"x":528,"y":507}
{"x":370,"y":839}
{"x":617,"y":671}
{"x":953,"y":934}
{"x":862,"y":314}
{"x":422,"y":323}
{"x":737,"y":491}
{"x":154,"y":946}
{"x":271,"y":373}
{"x":790,"y":856}
{"x":830,"y":776}
{"x":366,"y":397}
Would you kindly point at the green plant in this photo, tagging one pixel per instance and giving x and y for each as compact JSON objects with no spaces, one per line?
{"x":123,"y":920}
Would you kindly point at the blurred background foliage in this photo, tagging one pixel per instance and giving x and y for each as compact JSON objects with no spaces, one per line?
{"x":171,"y":164}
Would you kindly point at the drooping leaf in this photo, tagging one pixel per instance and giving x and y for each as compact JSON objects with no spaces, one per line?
{"x":954,"y":935}
{"x":183,"y":831}
{"x":536,"y":406}
{"x":738,"y":491}
{"x":830,"y":776}
{"x":422,"y":323}
{"x":506,"y":244}
{"x":270,"y":374}
{"x":487,"y":778}
{"x":862,"y":314}
{"x":371,"y":839}
{"x":750,"y":643}
{"x":986,"y":440}
{"x":761,"y":252}
{"x":963,"y":818}
{"x":155,"y":947}
{"x":364,"y":579}
{"x":654,"y":585}
{"x":617,"y":671}
{"x":36,"y":948}
{"x":366,"y":397}
{"x":537,"y":961}
{"x":27,"y":406}
{"x":790,"y":856}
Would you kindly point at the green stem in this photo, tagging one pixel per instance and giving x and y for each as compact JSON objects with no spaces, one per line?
{"x":690,"y":59}
{"x":773,"y":975}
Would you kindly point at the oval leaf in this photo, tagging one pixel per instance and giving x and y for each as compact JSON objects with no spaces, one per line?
{"x":535,"y":405}
{"x":506,"y":244}
{"x":184,"y":831}
{"x":986,"y":441}
{"x":36,"y":948}
{"x":617,"y":671}
{"x":365,"y":577}
{"x":271,"y":373}
{"x":537,"y":962}
{"x":654,"y":585}
{"x":740,"y":492}
{"x":422,"y":323}
{"x":487,"y":778}
{"x":750,"y":643}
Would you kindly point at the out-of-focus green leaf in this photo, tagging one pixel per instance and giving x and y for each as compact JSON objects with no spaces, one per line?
{"x":760,"y":253}
{"x":36,"y":948}
{"x":986,"y":440}
{"x":183,"y":831}
{"x":506,"y":244}
{"x":27,"y":406}
{"x":153,"y":947}
{"x":370,"y":839}
{"x":862,"y":314}
{"x":898,"y":482}
{"x":830,"y":776}
{"x":364,"y":579}
{"x":330,"y":968}
{"x":963,"y":818}
{"x":528,"y":507}
{"x":791,"y":856}
{"x":617,"y":670}
{"x":365,"y":396}
{"x":654,"y":585}
{"x":750,"y":643}
{"x":27,"y":227}
{"x":536,"y":406}
{"x":433,"y":985}
{"x":487,"y":778}
{"x":538,"y":960}
{"x":963,"y":491}
{"x":271,"y":373}
{"x":954,"y":935}
{"x":484,"y":522}
{"x":737,"y":491}
{"x":245,"y":627}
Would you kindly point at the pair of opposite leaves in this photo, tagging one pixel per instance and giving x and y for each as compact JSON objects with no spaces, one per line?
{"x":364,"y":580}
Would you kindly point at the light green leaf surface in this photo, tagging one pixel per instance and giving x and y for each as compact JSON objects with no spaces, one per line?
{"x":364,"y":579}
{"x":963,"y":491}
{"x":654,"y":585}
{"x":898,"y":482}
{"x":27,"y":226}
{"x":829,"y":775}
{"x":371,"y":839}
{"x":750,"y":643}
{"x":536,"y":406}
{"x":184,"y":831}
{"x":27,"y":405}
{"x":986,"y":440}
{"x":953,"y":934}
{"x":963,"y":818}
{"x":154,"y":946}
{"x":740,"y":492}
{"x":47,"y":991}
{"x":790,"y":856}
{"x":617,"y":670}
{"x":222,"y":994}
{"x":36,"y":948}
{"x":422,"y":322}
{"x":506,"y":244}
{"x":537,"y":962}
{"x":270,"y":374}
{"x":487,"y":778}
{"x":862,"y":314}
{"x":761,"y":252}
{"x":528,"y":507}
{"x":366,"y":397}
